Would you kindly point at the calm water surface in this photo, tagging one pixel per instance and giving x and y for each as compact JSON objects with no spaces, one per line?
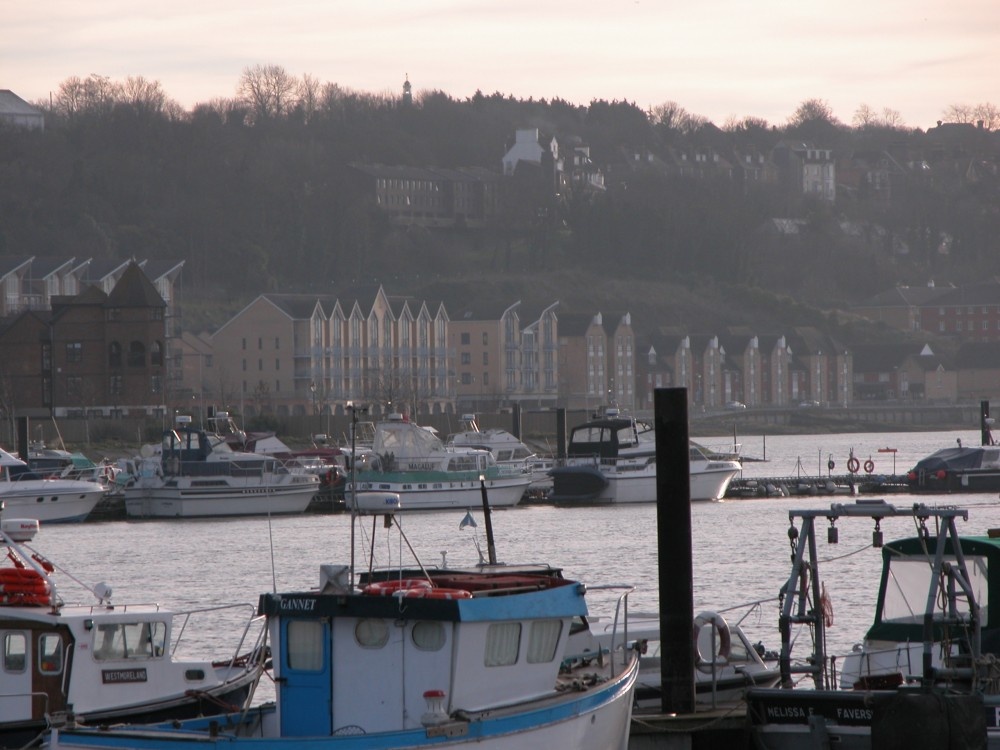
{"x":741,"y":548}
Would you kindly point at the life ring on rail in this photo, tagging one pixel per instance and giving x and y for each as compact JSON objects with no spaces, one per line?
{"x":437,"y":593}
{"x":869,"y":466}
{"x":388,"y":588}
{"x":831,"y":465}
{"x":23,"y":587}
{"x":853,"y":464}
{"x":721,"y":627}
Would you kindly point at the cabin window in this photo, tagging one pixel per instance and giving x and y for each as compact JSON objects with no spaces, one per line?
{"x":50,"y":653}
{"x":305,"y":645}
{"x":371,"y":633}
{"x":428,"y":636}
{"x":14,"y":650}
{"x":129,"y":640}
{"x":543,"y":637}
{"x":905,"y":597}
{"x":503,"y":641}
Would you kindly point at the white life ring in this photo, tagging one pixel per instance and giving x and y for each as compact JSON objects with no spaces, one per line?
{"x":721,"y":627}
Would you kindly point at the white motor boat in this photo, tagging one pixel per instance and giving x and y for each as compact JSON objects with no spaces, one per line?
{"x":197,"y":474}
{"x":413,"y":462}
{"x":612,"y":459}
{"x":729,"y":663}
{"x":507,"y":449}
{"x":104,"y":661}
{"x":51,"y":500}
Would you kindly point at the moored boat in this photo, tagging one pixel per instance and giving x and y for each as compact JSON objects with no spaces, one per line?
{"x":51,"y":500}
{"x":507,"y":449}
{"x":104,"y":661}
{"x":612,"y":459}
{"x":926,"y":675}
{"x":413,"y":462}
{"x":413,"y":656}
{"x":196,"y":473}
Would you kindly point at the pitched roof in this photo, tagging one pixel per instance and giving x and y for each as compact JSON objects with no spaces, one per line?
{"x":134,"y":289}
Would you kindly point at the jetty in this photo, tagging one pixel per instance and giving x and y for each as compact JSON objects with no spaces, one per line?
{"x":833,"y":484}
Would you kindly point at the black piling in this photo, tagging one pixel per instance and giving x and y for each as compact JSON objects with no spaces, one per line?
{"x":674,"y":549}
{"x":515,"y":418}
{"x":560,"y":433}
{"x":984,"y":423}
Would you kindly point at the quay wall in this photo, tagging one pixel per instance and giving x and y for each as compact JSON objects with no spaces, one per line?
{"x":538,"y":427}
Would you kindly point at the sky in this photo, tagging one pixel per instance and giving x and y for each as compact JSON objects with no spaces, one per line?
{"x":719,"y":59}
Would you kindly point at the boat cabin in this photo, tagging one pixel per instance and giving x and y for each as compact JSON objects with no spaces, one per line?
{"x":400,"y":648}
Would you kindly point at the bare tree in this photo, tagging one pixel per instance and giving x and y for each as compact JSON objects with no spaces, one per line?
{"x":142,"y":95}
{"x":813,"y":110}
{"x":268,"y":90}
{"x":94,"y":95}
{"x":986,"y":113}
{"x":309,"y":93}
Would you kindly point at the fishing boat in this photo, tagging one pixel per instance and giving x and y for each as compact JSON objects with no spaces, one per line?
{"x":612,"y":459}
{"x":927,"y":672}
{"x":104,"y":661}
{"x":506,"y":448}
{"x":413,"y":462}
{"x":26,"y":494}
{"x":417,"y":656}
{"x":194,"y":473}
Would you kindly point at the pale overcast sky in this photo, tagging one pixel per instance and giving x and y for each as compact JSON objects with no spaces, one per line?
{"x":715,"y":58}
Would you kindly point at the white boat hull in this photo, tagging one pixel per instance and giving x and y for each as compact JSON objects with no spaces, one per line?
{"x":596,"y":719}
{"x":640,"y":487}
{"x":50,"y":500}
{"x":429,"y":495}
{"x":252,"y":500}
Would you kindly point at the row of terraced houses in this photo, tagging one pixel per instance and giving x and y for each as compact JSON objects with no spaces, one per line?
{"x":98,"y":339}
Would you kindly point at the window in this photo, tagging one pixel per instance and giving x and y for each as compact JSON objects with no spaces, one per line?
{"x":503,"y":640}
{"x":486,"y":339}
{"x":260,"y":343}
{"x":156,"y":384}
{"x":305,"y":645}
{"x":277,"y":343}
{"x":14,"y":652}
{"x":371,"y":633}
{"x":466,"y":358}
{"x":50,"y":653}
{"x":244,"y":344}
{"x":129,"y":640}
{"x":277,"y":364}
{"x":136,"y":354}
{"x":543,"y":637}
{"x":486,"y":378}
{"x":46,"y":357}
{"x":428,"y":636}
{"x":156,"y":354}
{"x":486,"y":358}
{"x":74,"y":387}
{"x":74,"y":352}
{"x":115,"y":385}
{"x":466,"y":339}
{"x":158,"y":313}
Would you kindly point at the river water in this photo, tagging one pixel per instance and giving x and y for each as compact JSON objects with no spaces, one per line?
{"x":740,"y":547}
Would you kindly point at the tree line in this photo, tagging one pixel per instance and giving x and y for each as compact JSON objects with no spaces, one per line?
{"x":256,"y":192}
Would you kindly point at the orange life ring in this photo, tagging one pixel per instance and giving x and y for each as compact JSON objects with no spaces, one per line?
{"x":869,"y":466}
{"x":853,"y":464}
{"x":438,"y":593}
{"x":23,"y":587}
{"x":388,"y":588}
{"x":719,"y":624}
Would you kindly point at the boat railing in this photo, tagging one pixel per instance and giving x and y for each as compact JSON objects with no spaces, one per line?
{"x":184,"y":618}
{"x":621,"y":617}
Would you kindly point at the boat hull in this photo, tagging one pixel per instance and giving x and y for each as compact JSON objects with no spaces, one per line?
{"x":588,"y":485}
{"x":16,"y":734}
{"x":50,"y":500}
{"x":433,"y":493}
{"x":864,"y":720}
{"x":252,"y":500}
{"x":597,"y":718}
